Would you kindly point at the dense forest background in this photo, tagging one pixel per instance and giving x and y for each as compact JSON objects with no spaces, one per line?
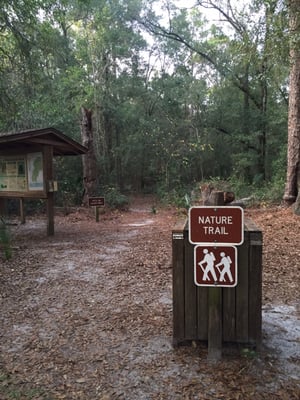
{"x":180,"y":92}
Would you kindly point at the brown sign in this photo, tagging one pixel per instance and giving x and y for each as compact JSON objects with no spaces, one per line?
{"x":216,"y":224}
{"x":215,"y":266}
{"x":96,"y":201}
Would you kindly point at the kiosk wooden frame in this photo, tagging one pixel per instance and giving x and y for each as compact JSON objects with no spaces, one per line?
{"x":45,"y":143}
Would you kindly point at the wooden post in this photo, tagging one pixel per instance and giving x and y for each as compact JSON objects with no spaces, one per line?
{"x":97,"y":213}
{"x":214,"y":324}
{"x":48,"y":176}
{"x":50,"y":214}
{"x":178,"y":255}
{"x":190,"y":291}
{"x":22,"y":210}
{"x":215,"y":304}
{"x":255,"y":284}
{"x":2,"y":207}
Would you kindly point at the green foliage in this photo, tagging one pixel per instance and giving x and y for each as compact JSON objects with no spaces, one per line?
{"x":68,"y":172}
{"x":270,"y":192}
{"x":11,"y":389}
{"x":248,"y":353}
{"x":153,"y":210}
{"x":5,"y":240}
{"x":178,"y":196}
{"x":261,"y":193}
{"x":115,"y":199}
{"x":35,"y":206}
{"x":199,"y":100}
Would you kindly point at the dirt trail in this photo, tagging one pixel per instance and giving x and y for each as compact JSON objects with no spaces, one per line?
{"x":87,"y":314}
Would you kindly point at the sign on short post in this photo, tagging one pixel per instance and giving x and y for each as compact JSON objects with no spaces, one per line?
{"x":215,"y":230}
{"x":96,"y":202}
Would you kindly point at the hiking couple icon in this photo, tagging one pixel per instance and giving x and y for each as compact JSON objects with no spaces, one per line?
{"x":209,"y":268}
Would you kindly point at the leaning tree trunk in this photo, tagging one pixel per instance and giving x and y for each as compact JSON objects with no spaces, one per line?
{"x":292,"y":188}
{"x":89,"y":162}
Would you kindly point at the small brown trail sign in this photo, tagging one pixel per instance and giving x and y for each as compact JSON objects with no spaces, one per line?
{"x":215,"y":266}
{"x":96,"y":201}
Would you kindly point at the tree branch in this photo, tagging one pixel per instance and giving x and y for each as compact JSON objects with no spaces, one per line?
{"x":229,"y":16}
{"x":159,"y":30}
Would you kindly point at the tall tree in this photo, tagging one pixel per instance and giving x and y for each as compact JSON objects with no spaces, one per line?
{"x":89,"y":161}
{"x":208,"y":103}
{"x":292,"y":188}
{"x":241,"y":56}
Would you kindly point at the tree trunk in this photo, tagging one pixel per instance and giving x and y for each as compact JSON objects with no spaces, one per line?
{"x":296,"y":205}
{"x":293,"y":153}
{"x":89,"y":162}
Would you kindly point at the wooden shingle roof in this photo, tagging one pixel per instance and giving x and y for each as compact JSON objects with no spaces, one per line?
{"x":62,"y":144}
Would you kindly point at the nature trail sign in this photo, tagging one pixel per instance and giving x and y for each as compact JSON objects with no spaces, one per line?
{"x":216,"y":224}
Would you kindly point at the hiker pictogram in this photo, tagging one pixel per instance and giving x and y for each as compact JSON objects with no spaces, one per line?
{"x":225,"y":262}
{"x":216,"y":266}
{"x":208,"y":262}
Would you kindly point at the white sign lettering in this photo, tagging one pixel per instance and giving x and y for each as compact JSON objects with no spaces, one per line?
{"x":217,"y":230}
{"x":215,"y":219}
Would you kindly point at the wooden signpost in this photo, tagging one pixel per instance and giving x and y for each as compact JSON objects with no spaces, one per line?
{"x":96,"y":202}
{"x":214,"y":266}
{"x":197,"y":307}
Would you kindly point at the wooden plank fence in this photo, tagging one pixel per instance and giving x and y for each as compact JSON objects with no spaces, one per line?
{"x":241,"y":305}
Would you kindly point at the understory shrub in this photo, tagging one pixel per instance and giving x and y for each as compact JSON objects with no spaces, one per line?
{"x":114,"y":198}
{"x":260,"y":193}
{"x":178,"y":196}
{"x":5,"y":242}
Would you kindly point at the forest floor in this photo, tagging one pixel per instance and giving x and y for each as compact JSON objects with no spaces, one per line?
{"x":87,"y":314}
